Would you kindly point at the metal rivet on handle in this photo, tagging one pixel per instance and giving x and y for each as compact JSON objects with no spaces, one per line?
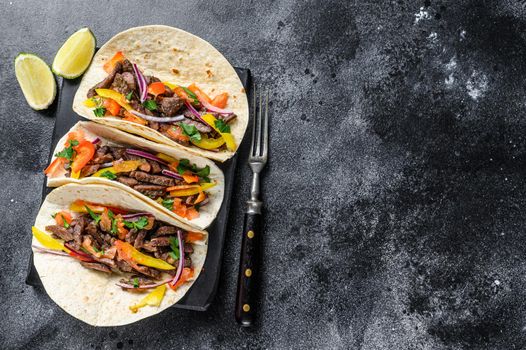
{"x":250,"y":234}
{"x":248,"y":272}
{"x":246,"y":308}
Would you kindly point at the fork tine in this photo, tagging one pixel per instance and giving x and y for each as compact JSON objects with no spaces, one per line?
{"x":257,"y":141}
{"x":254,"y":117}
{"x":265,"y":128}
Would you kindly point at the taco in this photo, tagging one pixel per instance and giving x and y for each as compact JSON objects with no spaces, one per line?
{"x":185,"y":186}
{"x":168,"y":86}
{"x":109,"y":259}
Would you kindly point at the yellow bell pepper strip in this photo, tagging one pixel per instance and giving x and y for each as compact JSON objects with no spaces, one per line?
{"x":206,"y":143}
{"x":189,"y":190}
{"x":90,"y":103}
{"x":75,"y":175}
{"x":131,"y":255}
{"x":166,"y":158}
{"x":154,"y":298}
{"x":119,"y":167}
{"x":170,"y":85}
{"x":229,"y":139}
{"x":48,"y":241}
{"x":114,"y":95}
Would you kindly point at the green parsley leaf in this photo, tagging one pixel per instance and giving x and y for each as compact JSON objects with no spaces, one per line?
{"x":67,"y":153}
{"x":191,"y":95}
{"x":222,"y":126}
{"x":139,"y":224}
{"x":191,"y":130}
{"x":183,"y":166}
{"x":150,"y":104}
{"x":129,"y":96}
{"x":168,"y":204}
{"x":113,"y":227}
{"x":109,"y":175}
{"x":172,"y":254}
{"x":73,"y":143}
{"x":203,"y":172}
{"x":93,"y":215}
{"x":53,"y":215}
{"x":197,"y":207}
{"x":99,"y":111}
{"x":136,"y":282}
{"x":174,"y":244}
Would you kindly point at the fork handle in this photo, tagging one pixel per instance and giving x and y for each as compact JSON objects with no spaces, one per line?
{"x":249,"y":265}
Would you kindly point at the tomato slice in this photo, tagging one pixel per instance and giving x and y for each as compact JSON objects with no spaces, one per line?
{"x":62,"y":216}
{"x":220,"y":100}
{"x":156,"y":88}
{"x":76,"y":135}
{"x":199,"y":93}
{"x":85,"y":151}
{"x":112,"y":107}
{"x":134,"y":119}
{"x":185,"y":276}
{"x":193,"y":237}
{"x":55,"y":167}
{"x":176,"y":133}
{"x":190,"y":178}
{"x":108,"y":66}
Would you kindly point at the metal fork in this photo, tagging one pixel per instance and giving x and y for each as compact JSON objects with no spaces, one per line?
{"x":249,"y":264}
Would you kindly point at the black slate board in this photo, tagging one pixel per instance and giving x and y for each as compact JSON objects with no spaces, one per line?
{"x":200,"y":296}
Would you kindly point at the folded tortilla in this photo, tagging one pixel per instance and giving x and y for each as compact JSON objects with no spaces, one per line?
{"x":112,"y":137}
{"x":174,"y":56}
{"x":92,"y":296}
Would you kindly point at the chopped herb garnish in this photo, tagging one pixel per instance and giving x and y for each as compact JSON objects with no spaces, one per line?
{"x":174,"y":244}
{"x":203,"y":172}
{"x":109,"y":175}
{"x":99,"y":111}
{"x":66,"y":225}
{"x":139,"y":224}
{"x":129,"y":96}
{"x":191,"y":95}
{"x":168,"y":204}
{"x":68,"y":152}
{"x":197,"y":207}
{"x":53,"y":215}
{"x":222,"y":126}
{"x":73,"y":143}
{"x":150,"y":104}
{"x":191,"y":130}
{"x":136,"y":282}
{"x":183,"y":165}
{"x":93,"y":215}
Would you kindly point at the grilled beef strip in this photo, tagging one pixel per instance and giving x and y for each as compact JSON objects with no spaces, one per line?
{"x":96,"y":266}
{"x":60,"y":232}
{"x":128,"y":181}
{"x":153,"y":179}
{"x":106,"y":83}
{"x":89,"y":170}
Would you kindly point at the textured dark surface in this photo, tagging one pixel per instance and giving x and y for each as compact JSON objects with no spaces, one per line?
{"x":395,"y":190}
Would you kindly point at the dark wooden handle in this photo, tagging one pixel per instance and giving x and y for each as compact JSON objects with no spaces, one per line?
{"x":248,"y":270}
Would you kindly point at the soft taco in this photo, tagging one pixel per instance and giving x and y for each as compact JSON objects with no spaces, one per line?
{"x":108,"y":258}
{"x":168,"y":86}
{"x":180,"y":184}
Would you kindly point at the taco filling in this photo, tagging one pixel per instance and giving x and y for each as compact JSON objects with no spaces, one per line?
{"x":185,"y":115}
{"x":147,"y":253}
{"x":177,"y":184}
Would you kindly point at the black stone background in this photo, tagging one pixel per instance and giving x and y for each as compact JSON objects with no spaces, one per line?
{"x":394,"y":192}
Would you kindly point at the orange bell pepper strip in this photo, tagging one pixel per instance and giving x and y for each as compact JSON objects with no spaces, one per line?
{"x":116,"y":96}
{"x":122,"y":231}
{"x":179,"y":91}
{"x":134,"y":119}
{"x":85,"y":151}
{"x":192,"y":237}
{"x":189,"y":177}
{"x":201,"y":197}
{"x":220,"y":100}
{"x":156,"y":88}
{"x":185,"y":276}
{"x":191,"y":213}
{"x":112,"y":107}
{"x":63,"y":216}
{"x":77,"y":135}
{"x":201,"y":95}
{"x":176,"y":133}
{"x":131,"y":255}
{"x":108,"y":66}
{"x":56,"y":167}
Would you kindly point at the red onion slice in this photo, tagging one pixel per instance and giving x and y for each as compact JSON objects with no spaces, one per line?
{"x":181,"y":258}
{"x":135,"y":215}
{"x":52,"y":251}
{"x":150,"y":118}
{"x":172,"y":174}
{"x":195,"y":112}
{"x":143,"y":86}
{"x":97,"y":140}
{"x":146,"y":155}
{"x":213,"y":108}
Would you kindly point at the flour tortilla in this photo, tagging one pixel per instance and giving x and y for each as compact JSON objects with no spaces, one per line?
{"x":174,"y":56}
{"x":92,"y":296}
{"x":113,"y":137}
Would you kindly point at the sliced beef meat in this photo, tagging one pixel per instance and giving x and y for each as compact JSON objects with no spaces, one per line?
{"x":190,"y":199}
{"x":153,"y":179}
{"x":148,"y":271}
{"x":89,"y":170}
{"x":123,"y":266}
{"x":93,"y":231}
{"x":188,"y":248}
{"x":170,"y":106}
{"x":124,"y":83}
{"x":131,"y":236}
{"x":96,"y":266}
{"x":187,"y":262}
{"x":151,"y":79}
{"x":154,"y":194}
{"x":199,"y":126}
{"x":156,"y":168}
{"x":139,"y":241}
{"x":226,"y":118}
{"x":128,"y":181}
{"x":118,"y":152}
{"x":153,"y":125}
{"x":102,"y":157}
{"x":127,"y":66}
{"x":149,"y":247}
{"x":168,"y":92}
{"x":162,"y":241}
{"x":106,"y":83}
{"x":60,"y":232}
{"x":166,"y":230}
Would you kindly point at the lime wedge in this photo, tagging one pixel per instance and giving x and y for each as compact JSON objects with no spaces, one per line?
{"x":36,"y":80}
{"x":74,"y":57}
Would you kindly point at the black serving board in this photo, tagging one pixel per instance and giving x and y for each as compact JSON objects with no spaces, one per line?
{"x":200,"y":296}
